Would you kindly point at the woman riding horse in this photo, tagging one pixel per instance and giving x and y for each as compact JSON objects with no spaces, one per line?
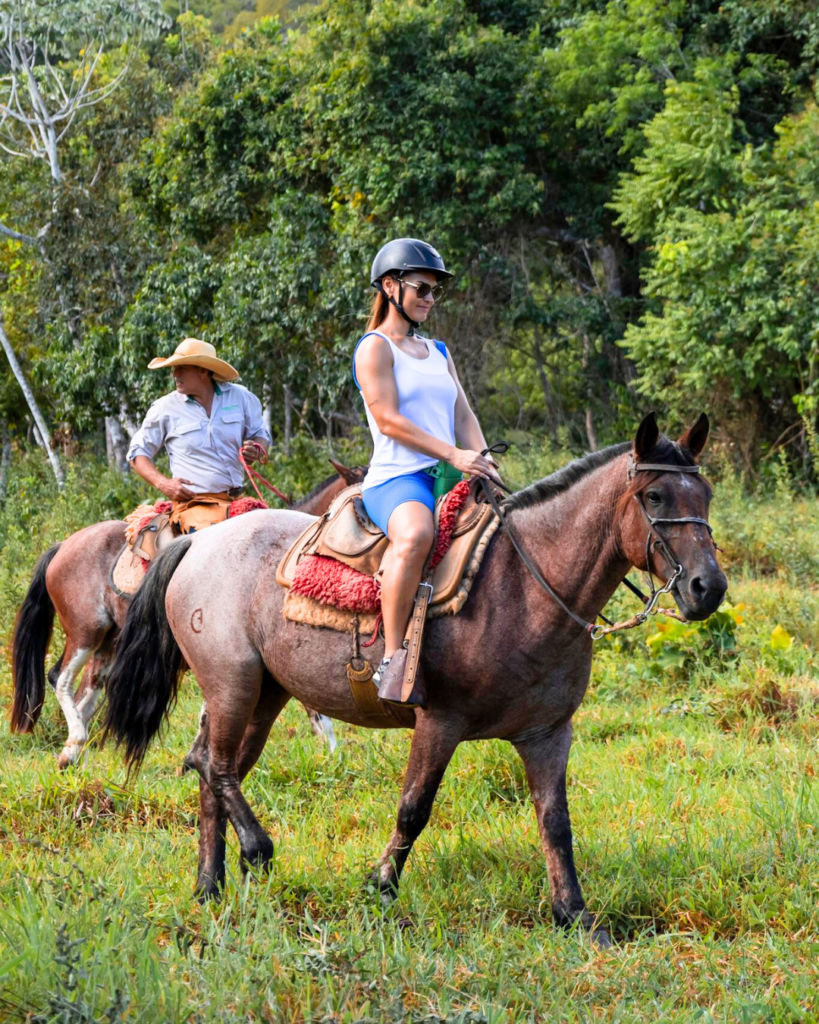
{"x":417,"y":412}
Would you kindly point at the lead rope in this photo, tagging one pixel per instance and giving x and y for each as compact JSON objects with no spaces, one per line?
{"x":251,"y":473}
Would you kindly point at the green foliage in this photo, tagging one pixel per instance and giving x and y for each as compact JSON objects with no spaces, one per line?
{"x":733,"y":250}
{"x":624,"y":190}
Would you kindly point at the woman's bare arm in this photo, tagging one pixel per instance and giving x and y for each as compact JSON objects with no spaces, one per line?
{"x":374,"y":370}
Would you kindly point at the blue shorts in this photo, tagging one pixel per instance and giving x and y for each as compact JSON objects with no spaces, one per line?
{"x":383,"y":499}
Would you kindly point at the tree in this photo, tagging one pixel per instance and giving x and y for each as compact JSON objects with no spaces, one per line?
{"x":50,"y":54}
{"x":733,"y":313}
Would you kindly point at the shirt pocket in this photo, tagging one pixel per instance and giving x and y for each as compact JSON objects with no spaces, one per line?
{"x":189,"y":436}
{"x":231,"y":427}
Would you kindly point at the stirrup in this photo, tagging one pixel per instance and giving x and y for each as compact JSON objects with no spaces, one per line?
{"x":391,"y":681}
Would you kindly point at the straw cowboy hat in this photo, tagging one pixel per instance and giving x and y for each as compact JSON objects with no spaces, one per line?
{"x":193,"y":352}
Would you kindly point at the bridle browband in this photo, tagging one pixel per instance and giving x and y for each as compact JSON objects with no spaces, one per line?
{"x":653,"y":540}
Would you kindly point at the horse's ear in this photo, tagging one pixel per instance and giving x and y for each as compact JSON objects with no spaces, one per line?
{"x":348,"y":475}
{"x":695,"y":437}
{"x":648,"y":434}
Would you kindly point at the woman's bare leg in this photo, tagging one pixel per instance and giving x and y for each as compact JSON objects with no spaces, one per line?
{"x":411,"y":531}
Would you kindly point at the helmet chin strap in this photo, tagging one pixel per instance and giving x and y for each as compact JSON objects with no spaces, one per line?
{"x":399,"y":305}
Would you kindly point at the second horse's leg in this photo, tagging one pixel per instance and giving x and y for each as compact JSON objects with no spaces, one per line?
{"x":322,"y":726}
{"x":73,"y":661}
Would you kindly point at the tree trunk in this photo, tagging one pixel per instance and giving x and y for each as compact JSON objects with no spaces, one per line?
{"x":119,"y":443}
{"x":127,"y":420}
{"x":5,"y":458}
{"x":267,"y":409}
{"x":552,"y":413}
{"x":288,"y":418}
{"x":591,"y":434}
{"x":39,"y":419}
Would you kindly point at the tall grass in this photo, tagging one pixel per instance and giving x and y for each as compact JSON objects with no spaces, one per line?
{"x":692,"y":787}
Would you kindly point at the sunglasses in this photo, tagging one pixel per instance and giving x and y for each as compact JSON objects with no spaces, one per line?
{"x":423,"y":290}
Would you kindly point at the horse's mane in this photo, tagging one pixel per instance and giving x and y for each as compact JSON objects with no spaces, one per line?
{"x":319,"y":487}
{"x":665,"y":452}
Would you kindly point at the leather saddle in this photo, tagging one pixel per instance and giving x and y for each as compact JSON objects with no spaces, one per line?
{"x":155,"y":535}
{"x":345,"y":532}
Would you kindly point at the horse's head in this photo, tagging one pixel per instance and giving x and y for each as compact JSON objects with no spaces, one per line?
{"x":349,"y":474}
{"x":665,"y":517}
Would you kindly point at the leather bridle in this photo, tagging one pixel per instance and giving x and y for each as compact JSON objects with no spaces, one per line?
{"x":654,"y":541}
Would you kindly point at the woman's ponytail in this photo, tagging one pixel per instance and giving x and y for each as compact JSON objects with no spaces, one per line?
{"x":378,"y":311}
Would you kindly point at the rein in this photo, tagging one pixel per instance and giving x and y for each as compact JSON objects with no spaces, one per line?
{"x":261,"y":455}
{"x":653,"y":540}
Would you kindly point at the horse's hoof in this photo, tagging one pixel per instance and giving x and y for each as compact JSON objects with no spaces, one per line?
{"x":258,"y":858}
{"x":600,"y":938}
{"x":387,"y":889}
{"x":207,"y":891}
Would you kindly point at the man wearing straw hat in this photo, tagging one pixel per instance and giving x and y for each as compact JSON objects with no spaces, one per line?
{"x":204,"y":424}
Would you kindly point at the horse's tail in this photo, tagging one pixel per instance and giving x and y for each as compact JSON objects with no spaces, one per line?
{"x":29,"y":645}
{"x":144,"y":677}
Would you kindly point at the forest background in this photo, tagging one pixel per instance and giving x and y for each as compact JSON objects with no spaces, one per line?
{"x":627,"y":192}
{"x":628,"y":195}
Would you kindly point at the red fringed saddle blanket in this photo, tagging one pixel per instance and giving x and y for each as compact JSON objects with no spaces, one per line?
{"x":326,"y":591}
{"x":329,"y":581}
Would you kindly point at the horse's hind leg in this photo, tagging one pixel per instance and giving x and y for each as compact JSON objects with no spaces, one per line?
{"x":73,"y":661}
{"x":230,"y":714}
{"x":88,"y":693}
{"x":545,"y":761}
{"x":213,"y":819}
{"x":433,"y":744}
{"x":195,"y":756}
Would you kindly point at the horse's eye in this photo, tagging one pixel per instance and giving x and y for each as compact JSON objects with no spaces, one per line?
{"x":654,"y":497}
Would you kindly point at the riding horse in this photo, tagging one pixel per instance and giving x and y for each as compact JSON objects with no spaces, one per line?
{"x":511,"y":665}
{"x":74,"y":578}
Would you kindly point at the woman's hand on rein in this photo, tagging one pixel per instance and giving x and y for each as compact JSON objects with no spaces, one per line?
{"x":475,"y":464}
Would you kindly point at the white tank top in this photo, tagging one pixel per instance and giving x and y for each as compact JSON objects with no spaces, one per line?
{"x":426,"y":396}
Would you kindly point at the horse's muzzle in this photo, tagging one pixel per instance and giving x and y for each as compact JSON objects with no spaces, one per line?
{"x":699,"y":595}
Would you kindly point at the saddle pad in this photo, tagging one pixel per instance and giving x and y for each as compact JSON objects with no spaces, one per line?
{"x":127,"y":573}
{"x":468,"y":531}
{"x":300,"y":607}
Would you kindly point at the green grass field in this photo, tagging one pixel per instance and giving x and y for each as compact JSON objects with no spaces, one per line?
{"x":694,"y":800}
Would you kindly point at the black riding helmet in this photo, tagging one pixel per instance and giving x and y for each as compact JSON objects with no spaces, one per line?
{"x":402,"y":255}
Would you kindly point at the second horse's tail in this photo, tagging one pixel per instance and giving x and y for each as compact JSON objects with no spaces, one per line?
{"x":32,"y":633}
{"x":143,"y":681}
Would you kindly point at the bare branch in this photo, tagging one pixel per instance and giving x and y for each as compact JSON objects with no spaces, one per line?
{"x":12,"y":152}
{"x":18,"y":236}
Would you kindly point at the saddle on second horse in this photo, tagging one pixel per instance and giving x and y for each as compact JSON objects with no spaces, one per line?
{"x":150,"y":528}
{"x":333,"y":569}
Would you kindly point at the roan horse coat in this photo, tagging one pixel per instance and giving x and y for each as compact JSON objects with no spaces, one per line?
{"x":511,"y":665}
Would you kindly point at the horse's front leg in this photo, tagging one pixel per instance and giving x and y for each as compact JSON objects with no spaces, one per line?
{"x":433,"y":744}
{"x":322,"y":727}
{"x":545,"y":760}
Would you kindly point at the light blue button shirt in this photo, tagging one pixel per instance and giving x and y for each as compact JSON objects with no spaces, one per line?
{"x":203,"y":449}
